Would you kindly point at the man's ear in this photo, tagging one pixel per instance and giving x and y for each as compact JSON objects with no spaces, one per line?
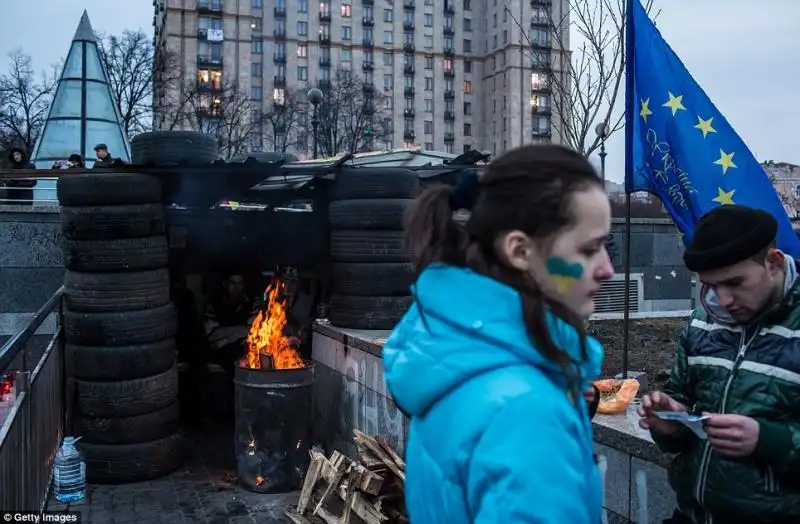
{"x":775,"y":259}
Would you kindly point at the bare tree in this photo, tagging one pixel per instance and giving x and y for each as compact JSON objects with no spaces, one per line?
{"x":351,"y":117}
{"x":24,"y":102}
{"x":785,"y":177}
{"x":584,"y":83}
{"x":285,"y":121}
{"x":221,"y":109}
{"x":130,"y":63}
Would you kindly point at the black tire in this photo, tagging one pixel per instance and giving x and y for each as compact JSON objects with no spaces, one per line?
{"x":372,"y":280}
{"x":108,"y":189}
{"x":370,"y":182}
{"x":367,"y":246}
{"x":129,"y":430}
{"x":110,"y":292}
{"x":106,"y":256}
{"x":367,"y":312}
{"x":112,"y":222}
{"x":368,"y":213}
{"x":127,"y":398}
{"x":120,"y":362}
{"x":120,"y":328}
{"x":120,"y":464}
{"x":173,"y":147}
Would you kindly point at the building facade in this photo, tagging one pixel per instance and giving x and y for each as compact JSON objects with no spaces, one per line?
{"x":451,"y":75}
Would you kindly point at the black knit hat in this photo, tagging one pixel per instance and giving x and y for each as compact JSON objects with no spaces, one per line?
{"x":727,"y":235}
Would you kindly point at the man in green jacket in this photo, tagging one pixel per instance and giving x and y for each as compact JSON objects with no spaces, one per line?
{"x":739,"y":362}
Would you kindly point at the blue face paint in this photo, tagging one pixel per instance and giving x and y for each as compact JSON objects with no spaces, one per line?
{"x":564,"y":274}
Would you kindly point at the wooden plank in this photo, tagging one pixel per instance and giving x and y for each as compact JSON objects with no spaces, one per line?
{"x":370,"y":482}
{"x":295,"y":517}
{"x":327,"y":517}
{"x":366,"y":511}
{"x":354,"y":479}
{"x":375,"y":448}
{"x":312,"y":476}
{"x":331,"y":488}
{"x":388,"y":449}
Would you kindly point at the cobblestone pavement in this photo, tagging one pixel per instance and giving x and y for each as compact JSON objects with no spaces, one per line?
{"x":203,"y":491}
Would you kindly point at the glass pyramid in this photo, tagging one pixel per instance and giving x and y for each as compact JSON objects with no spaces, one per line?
{"x":82,"y":113}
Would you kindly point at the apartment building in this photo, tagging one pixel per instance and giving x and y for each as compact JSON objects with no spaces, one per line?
{"x":453,"y":75}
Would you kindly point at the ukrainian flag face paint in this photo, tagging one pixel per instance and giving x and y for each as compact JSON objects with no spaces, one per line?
{"x":565,"y":275}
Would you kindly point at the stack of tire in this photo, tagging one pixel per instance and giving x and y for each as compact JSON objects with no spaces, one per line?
{"x":161,"y":148}
{"x":119,"y":326}
{"x":371,"y":275}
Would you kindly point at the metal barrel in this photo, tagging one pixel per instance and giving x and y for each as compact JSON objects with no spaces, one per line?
{"x":272,"y":439}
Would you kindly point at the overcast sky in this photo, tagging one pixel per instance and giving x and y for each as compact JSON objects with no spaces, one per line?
{"x":744,"y":56}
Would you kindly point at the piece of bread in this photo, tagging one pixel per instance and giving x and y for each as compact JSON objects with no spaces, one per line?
{"x":616,"y":395}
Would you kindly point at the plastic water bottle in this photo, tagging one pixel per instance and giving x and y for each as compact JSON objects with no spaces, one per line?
{"x":69,"y":472}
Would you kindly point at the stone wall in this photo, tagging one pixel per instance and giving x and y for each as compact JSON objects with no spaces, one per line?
{"x":656,"y":253}
{"x":31,"y":267}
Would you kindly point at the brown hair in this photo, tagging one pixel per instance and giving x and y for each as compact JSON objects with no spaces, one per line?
{"x":527,"y":189}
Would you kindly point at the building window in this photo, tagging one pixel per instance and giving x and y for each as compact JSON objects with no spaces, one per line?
{"x":257,"y":47}
{"x":302,"y":73}
{"x":302,"y":6}
{"x":279,"y":96}
{"x":256,"y":25}
{"x":428,"y":62}
{"x":388,"y":104}
{"x":428,"y":83}
{"x":388,"y":82}
{"x":505,"y":36}
{"x":428,"y":20}
{"x":467,"y":129}
{"x":467,"y":148}
{"x":302,"y":50}
{"x":347,"y":10}
{"x":255,"y":142}
{"x":538,"y":81}
{"x":428,"y":145}
{"x":467,"y":24}
{"x":255,"y":92}
{"x":256,"y":69}
{"x":388,"y":15}
{"x":467,"y":5}
{"x":448,"y":148}
{"x":467,"y":66}
{"x":448,"y":64}
{"x":428,"y":105}
{"x":347,"y":32}
{"x":429,"y":127}
{"x":467,"y":46}
{"x":302,"y":28}
{"x":541,"y":125}
{"x":540,"y":37}
{"x":467,"y":108}
{"x":346,"y":55}
{"x":428,"y":42}
{"x":388,"y":59}
{"x":388,"y":37}
{"x":467,"y":87}
{"x":258,"y":4}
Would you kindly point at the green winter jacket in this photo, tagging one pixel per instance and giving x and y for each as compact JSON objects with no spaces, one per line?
{"x":751,"y":370}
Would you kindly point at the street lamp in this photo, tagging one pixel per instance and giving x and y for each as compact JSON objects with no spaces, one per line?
{"x":315,"y":97}
{"x":602,"y":132}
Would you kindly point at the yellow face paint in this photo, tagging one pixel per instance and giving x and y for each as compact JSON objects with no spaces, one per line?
{"x":564,"y":274}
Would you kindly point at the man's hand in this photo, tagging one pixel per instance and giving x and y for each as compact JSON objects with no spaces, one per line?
{"x":732,"y":435}
{"x":658,"y":401}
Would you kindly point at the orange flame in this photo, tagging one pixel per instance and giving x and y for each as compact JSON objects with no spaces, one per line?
{"x":266,"y":334}
{"x":259,"y":480}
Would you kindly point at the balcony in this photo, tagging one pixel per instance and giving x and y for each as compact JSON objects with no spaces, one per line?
{"x":280,"y":12}
{"x":325,"y":39}
{"x":540,"y":44}
{"x":449,"y":137}
{"x":449,"y":51}
{"x":448,"y":30}
{"x":279,"y":81}
{"x":367,"y":2}
{"x":209,"y":61}
{"x":212,"y":111}
{"x":408,"y":113}
{"x":367,"y":21}
{"x":324,"y":61}
{"x":408,"y":134}
{"x":542,"y":87}
{"x":408,"y":91}
{"x":325,"y":16}
{"x":408,"y":48}
{"x":449,"y":94}
{"x":366,"y":42}
{"x":408,"y":69}
{"x":449,"y":73}
{"x":409,"y":4}
{"x":542,"y":66}
{"x":408,"y":26}
{"x":541,"y":110}
{"x":279,"y":34}
{"x":368,"y":66}
{"x":368,"y":87}
{"x":209,"y":86}
{"x":449,"y":116}
{"x":279,"y":58}
{"x":449,"y":8}
{"x":540,"y":133}
{"x":541,"y":3}
{"x":324,"y":84}
{"x":209,"y":7}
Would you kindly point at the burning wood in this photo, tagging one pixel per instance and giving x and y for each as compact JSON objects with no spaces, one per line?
{"x":267,"y":346}
{"x":371,"y":488}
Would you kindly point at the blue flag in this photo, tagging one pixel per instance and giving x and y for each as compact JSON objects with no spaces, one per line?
{"x":679,"y":147}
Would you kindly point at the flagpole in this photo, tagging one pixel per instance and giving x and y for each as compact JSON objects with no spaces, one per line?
{"x":629,"y":119}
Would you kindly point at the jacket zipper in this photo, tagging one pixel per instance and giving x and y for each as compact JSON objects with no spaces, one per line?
{"x":706,"y":459}
{"x":771,"y":481}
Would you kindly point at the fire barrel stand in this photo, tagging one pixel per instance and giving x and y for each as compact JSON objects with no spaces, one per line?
{"x":119,"y":326}
{"x":371,"y":275}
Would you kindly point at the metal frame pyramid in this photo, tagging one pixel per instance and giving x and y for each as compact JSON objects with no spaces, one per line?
{"x":82,"y":113}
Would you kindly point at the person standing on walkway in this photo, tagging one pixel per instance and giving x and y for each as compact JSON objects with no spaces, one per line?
{"x":104,"y":159}
{"x":491,"y":360}
{"x":19,"y":191}
{"x":739,"y":361}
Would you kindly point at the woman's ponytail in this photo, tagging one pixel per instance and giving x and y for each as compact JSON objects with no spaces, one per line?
{"x":432,"y":235}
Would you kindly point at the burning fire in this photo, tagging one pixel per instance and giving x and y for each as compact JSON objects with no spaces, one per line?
{"x":266,"y":334}
{"x":259,"y":480}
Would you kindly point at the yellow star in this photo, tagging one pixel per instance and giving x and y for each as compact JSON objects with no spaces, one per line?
{"x":725,"y":160}
{"x":705,"y":126}
{"x":645,"y":111}
{"x":675,"y":103}
{"x":724,"y":197}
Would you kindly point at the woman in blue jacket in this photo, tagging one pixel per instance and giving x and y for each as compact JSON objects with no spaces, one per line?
{"x":491,"y":360}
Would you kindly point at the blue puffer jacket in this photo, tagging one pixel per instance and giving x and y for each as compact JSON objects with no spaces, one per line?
{"x":496,"y":436}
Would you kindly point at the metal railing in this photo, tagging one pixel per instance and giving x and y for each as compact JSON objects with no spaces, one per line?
{"x":15,"y":192}
{"x":32,"y":419}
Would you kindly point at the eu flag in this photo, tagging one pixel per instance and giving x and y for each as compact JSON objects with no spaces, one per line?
{"x":680,"y":147}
